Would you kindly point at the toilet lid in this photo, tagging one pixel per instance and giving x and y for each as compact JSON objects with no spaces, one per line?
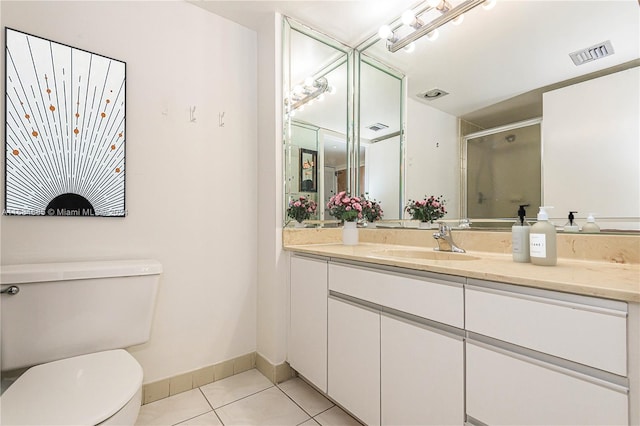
{"x":83,"y":390}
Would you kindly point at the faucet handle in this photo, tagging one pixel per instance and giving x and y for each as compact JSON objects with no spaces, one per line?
{"x":443,"y":228}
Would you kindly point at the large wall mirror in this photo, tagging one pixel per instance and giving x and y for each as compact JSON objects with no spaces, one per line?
{"x":498,"y":69}
{"x":346,"y":108}
{"x":316,"y":105}
{"x":380,"y":95}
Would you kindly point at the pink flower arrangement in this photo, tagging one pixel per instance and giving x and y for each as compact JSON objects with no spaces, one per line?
{"x":301,"y":209}
{"x":345,"y":208}
{"x":372,"y":210}
{"x":427,"y":210}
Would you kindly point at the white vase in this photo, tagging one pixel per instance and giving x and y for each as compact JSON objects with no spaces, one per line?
{"x":350,"y":234}
{"x":425,"y":225}
{"x":371,"y":225}
{"x":298,"y":225}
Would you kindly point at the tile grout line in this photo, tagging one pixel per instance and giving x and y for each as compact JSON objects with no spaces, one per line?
{"x":212,"y":409}
{"x":294,"y":401}
{"x":244,"y":397}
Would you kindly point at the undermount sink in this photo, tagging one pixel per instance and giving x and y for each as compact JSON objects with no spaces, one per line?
{"x":423,"y":254}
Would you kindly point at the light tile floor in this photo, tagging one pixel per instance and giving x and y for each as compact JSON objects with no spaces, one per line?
{"x":247,"y":398}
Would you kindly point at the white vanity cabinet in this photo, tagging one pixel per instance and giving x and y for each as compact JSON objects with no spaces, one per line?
{"x":354,"y":359}
{"x":542,"y":357}
{"x":308,"y":322}
{"x":422,"y":374}
{"x":396,"y":351}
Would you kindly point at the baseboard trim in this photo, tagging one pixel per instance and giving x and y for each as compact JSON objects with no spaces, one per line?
{"x":161,"y":389}
{"x":165,"y":388}
{"x":276,"y":373}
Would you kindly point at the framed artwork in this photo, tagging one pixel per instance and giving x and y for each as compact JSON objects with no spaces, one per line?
{"x":64,"y":130}
{"x":308,"y":170}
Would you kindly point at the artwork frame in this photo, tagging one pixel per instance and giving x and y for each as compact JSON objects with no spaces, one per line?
{"x":65,"y":128}
{"x":308,"y":170}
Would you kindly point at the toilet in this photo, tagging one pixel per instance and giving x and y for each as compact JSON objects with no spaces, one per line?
{"x":69,"y":323}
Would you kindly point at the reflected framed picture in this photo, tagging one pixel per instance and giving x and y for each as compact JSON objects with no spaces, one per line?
{"x":308,"y":170}
{"x":64,"y":130}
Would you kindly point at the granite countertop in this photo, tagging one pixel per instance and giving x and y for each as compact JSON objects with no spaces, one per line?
{"x":590,"y":278}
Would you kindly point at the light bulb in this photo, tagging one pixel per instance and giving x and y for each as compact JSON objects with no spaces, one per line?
{"x":385,"y":32}
{"x":433,"y":3}
{"x":458,"y":20}
{"x":308,"y":82}
{"x":488,"y":4}
{"x":410,"y":47}
{"x":292,"y":113}
{"x":433,"y":35}
{"x":408,"y":17}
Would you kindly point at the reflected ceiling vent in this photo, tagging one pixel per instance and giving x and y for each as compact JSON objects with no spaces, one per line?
{"x":592,"y":53}
{"x":432,"y":94}
{"x":377,"y":127}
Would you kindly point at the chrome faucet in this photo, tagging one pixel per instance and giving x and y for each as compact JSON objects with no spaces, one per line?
{"x":445,"y":239}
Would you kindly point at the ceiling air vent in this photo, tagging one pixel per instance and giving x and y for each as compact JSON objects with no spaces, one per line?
{"x":592,"y":53}
{"x":377,"y":127}
{"x":432,"y":94}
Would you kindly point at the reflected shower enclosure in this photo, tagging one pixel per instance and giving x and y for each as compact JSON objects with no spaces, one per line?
{"x":503,"y":170}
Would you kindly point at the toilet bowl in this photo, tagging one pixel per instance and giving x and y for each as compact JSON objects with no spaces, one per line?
{"x":99,"y":388}
{"x":70,"y":322}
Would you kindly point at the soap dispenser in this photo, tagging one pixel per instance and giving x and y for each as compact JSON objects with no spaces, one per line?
{"x":520,"y":237}
{"x":542,"y":240}
{"x":591,"y":227}
{"x":571,"y":226}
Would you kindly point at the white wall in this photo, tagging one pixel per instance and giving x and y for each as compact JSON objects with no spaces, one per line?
{"x":273,"y":263}
{"x":189,"y":205}
{"x":432,"y":156}
{"x":590,"y":134}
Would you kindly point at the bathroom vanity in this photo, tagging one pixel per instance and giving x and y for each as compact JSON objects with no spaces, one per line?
{"x":403,"y":335}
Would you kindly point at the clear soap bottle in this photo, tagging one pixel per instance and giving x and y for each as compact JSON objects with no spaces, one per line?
{"x":520,"y":237}
{"x":591,"y":227}
{"x":542,"y":240}
{"x":571,"y":226}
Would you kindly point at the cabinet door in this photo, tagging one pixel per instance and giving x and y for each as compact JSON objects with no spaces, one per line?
{"x":505,"y":388}
{"x":422,"y":374}
{"x":354,"y":359}
{"x":308,"y":322}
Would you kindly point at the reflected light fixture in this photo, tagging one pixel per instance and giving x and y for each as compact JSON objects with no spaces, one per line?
{"x":307,"y":93}
{"x":420,"y":28}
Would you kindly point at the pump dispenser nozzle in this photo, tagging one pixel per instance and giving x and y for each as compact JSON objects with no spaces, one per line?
{"x":542,"y":214}
{"x":571,"y":226}
{"x":522,"y":213}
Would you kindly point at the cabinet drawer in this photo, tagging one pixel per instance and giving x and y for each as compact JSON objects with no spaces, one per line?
{"x":586,"y":330}
{"x":434,"y":299}
{"x":510,"y":389}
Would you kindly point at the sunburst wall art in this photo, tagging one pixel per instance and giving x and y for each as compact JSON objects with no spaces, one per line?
{"x":65,"y":130}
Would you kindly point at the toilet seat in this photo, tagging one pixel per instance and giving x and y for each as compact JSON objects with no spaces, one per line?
{"x":86,"y":389}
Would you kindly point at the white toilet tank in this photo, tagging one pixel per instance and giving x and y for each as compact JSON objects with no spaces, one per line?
{"x":67,"y":309}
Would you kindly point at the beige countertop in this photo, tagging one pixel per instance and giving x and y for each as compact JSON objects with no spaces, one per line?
{"x":591,"y":278}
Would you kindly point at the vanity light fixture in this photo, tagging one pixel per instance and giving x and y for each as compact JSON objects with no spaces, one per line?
{"x":307,"y":93}
{"x":420,"y":28}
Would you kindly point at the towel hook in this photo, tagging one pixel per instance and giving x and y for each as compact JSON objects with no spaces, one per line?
{"x":12,"y":290}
